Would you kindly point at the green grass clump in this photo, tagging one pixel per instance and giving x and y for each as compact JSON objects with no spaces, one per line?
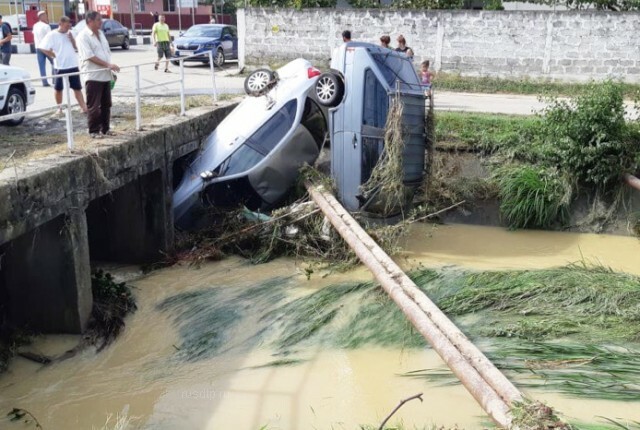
{"x":532,"y":196}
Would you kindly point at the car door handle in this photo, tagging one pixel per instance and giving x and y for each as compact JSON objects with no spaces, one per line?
{"x":355,"y":141}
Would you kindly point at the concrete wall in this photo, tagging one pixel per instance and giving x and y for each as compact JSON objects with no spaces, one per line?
{"x":558,"y":45}
{"x":114,"y":205}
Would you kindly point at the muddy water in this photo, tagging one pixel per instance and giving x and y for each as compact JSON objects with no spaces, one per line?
{"x":140,"y":377}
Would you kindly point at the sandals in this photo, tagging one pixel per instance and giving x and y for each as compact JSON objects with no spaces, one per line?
{"x":155,"y":67}
{"x":167,"y":71}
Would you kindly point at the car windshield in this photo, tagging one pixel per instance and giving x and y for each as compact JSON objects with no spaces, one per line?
{"x":396,"y":69}
{"x":203,"y":31}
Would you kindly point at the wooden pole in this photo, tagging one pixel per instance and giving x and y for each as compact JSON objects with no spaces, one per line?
{"x":485,"y":383}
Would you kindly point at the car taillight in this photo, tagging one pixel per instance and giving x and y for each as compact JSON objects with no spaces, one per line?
{"x":312,"y":72}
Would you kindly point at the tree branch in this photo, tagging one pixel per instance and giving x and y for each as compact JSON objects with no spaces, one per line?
{"x":402,"y":402}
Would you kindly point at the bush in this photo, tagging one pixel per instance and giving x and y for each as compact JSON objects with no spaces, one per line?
{"x":593,"y":142}
{"x":533,"y":196}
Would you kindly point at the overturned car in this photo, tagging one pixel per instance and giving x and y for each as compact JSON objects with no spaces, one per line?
{"x":254,"y":154}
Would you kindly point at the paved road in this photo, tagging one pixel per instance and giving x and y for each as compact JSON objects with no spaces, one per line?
{"x":198,"y":81}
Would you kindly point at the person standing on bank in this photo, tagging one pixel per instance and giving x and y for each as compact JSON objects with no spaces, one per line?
{"x":95,"y":56}
{"x":61,"y":47}
{"x":162,"y":42}
{"x":5,"y":42}
{"x":402,"y":47}
{"x":40,"y":31}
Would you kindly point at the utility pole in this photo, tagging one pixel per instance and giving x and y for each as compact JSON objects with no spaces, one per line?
{"x":132,"y":15}
{"x":179,"y":16}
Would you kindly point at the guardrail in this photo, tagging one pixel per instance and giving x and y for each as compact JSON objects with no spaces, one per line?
{"x":138,"y":93}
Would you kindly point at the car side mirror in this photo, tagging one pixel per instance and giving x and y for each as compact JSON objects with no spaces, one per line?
{"x":227,"y":37}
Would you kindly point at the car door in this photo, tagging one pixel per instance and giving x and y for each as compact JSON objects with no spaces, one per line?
{"x":119,"y":31}
{"x":107,"y":28}
{"x":226,"y":41}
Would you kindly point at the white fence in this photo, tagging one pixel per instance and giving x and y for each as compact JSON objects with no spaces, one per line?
{"x":137,"y":87}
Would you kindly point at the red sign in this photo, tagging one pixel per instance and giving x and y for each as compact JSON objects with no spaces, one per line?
{"x":104,"y":9}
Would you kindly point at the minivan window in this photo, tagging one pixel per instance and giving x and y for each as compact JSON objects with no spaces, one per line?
{"x":375,"y":101}
{"x":394,"y":68}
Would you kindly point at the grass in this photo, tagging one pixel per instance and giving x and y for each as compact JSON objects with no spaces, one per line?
{"x":532,"y":196}
{"x":491,"y":85}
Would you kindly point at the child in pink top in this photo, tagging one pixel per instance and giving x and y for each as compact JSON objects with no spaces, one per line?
{"x":426,"y":76}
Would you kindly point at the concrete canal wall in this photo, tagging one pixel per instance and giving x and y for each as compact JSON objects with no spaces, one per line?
{"x":114,"y":205}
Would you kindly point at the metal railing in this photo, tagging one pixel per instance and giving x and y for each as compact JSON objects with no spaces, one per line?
{"x":67,"y":104}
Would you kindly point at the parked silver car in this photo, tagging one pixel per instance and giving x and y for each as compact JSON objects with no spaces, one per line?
{"x":362,"y":80}
{"x":254,"y":154}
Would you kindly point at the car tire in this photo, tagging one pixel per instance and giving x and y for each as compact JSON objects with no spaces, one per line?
{"x":16,"y":103}
{"x":218,"y":59}
{"x":125,"y":43}
{"x":259,"y":82}
{"x":329,"y":89}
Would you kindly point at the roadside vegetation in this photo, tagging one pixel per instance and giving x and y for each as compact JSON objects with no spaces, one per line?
{"x":536,"y":87}
{"x":539,"y":165}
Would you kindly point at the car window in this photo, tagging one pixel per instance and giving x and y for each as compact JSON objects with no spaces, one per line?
{"x":375,"y":101}
{"x":272,"y":132}
{"x":116,"y":25}
{"x":240,"y":161}
{"x":203,"y":31}
{"x":314,"y":121}
{"x":225,"y":32}
{"x":394,"y":68}
{"x":261,"y":142}
{"x":107,"y":25}
{"x":234,"y":31}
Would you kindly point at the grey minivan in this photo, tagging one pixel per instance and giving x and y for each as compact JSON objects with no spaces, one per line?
{"x":362,"y":80}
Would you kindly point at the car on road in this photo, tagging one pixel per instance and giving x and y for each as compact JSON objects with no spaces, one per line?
{"x":253,"y":156}
{"x":14,"y":97}
{"x":220,"y":39}
{"x":116,"y":33}
{"x":376,"y":77}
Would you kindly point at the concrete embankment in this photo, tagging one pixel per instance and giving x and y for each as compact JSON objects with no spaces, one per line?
{"x":112,"y":204}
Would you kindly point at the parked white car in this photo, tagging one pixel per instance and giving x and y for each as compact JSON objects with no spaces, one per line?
{"x":15,"y":97}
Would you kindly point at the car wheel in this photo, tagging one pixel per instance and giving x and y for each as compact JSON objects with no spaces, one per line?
{"x":259,"y":82}
{"x":329,"y":89}
{"x":125,"y":43}
{"x":16,"y":103}
{"x":218,"y":60}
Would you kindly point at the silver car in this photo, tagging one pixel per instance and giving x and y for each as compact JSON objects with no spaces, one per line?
{"x":253,"y":156}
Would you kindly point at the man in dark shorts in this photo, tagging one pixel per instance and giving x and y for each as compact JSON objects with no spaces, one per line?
{"x":61,"y":46}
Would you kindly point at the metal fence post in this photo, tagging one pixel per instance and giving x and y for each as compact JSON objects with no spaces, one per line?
{"x":137,"y":89}
{"x":213,"y":76}
{"x":67,"y":92}
{"x":182,"y":104}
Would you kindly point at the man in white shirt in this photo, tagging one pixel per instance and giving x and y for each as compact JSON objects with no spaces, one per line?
{"x":40,"y":30}
{"x":95,"y":57}
{"x":61,"y":47}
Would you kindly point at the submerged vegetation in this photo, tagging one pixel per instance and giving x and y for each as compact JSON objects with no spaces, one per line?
{"x":516,"y":317}
{"x":540,"y":164}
